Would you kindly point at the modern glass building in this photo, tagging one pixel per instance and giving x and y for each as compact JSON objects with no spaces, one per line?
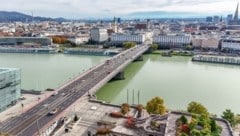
{"x":10,"y":87}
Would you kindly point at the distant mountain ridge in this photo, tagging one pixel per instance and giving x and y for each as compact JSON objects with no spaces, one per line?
{"x":6,"y":16}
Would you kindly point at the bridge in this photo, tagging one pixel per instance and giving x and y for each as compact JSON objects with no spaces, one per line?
{"x":36,"y":119}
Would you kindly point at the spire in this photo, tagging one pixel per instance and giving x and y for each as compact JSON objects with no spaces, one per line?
{"x":235,"y":19}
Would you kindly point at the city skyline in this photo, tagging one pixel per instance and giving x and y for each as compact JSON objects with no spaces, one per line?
{"x":76,"y":9}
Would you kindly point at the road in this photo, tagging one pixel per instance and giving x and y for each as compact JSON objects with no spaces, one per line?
{"x":32,"y":121}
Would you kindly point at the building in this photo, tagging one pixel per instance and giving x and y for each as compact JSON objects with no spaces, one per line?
{"x":43,"y":41}
{"x":121,"y":38}
{"x":208,"y":28}
{"x":77,"y":40}
{"x":142,"y":26}
{"x":229,"y":18}
{"x":209,"y":19}
{"x":172,"y":41}
{"x":216,"y":19}
{"x":190,"y":28}
{"x":98,"y":35}
{"x":10,"y":87}
{"x":235,"y":18}
{"x":210,"y":43}
{"x":232,"y":44}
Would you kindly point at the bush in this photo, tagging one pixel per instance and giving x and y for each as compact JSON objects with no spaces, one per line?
{"x":125,"y":108}
{"x":75,"y":119}
{"x":156,"y":106}
{"x":184,"y":120}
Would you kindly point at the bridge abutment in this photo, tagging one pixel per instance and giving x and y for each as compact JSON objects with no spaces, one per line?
{"x":119,"y":76}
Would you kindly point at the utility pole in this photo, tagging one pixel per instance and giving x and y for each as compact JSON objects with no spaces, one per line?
{"x":133,"y":97}
{"x":138,"y":96}
{"x":127,"y":95}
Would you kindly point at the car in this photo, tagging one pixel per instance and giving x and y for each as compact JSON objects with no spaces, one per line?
{"x":55,"y":93}
{"x":54,"y":111}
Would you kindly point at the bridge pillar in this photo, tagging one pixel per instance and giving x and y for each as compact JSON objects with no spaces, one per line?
{"x":140,"y":58}
{"x":119,"y":76}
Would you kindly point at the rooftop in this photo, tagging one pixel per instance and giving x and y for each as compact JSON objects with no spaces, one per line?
{"x":3,"y":70}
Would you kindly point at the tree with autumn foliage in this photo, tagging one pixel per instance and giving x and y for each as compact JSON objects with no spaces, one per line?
{"x":156,"y":106}
{"x":59,"y":39}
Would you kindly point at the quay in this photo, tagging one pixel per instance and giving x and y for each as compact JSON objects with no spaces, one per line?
{"x":92,"y":51}
{"x":26,"y":50}
{"x":217,"y":59}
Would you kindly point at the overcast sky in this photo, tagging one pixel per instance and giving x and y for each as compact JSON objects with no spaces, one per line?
{"x":109,"y":8}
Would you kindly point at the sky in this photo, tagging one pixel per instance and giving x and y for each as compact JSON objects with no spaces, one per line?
{"x":77,"y":9}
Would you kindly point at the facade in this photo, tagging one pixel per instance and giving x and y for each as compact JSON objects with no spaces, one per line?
{"x":79,"y":39}
{"x":172,"y":41}
{"x":209,"y":19}
{"x":120,"y":38}
{"x":229,"y":18}
{"x":10,"y":87}
{"x":98,"y":35}
{"x":231,"y":44}
{"x":206,"y":43}
{"x":191,"y":28}
{"x":216,"y":19}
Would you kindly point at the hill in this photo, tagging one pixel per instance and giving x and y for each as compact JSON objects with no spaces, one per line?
{"x":6,"y":16}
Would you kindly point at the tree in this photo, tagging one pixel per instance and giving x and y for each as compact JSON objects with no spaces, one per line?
{"x":128,"y":45}
{"x":156,"y":106}
{"x":125,"y":108}
{"x":229,"y":116}
{"x":154,"y":47}
{"x":197,"y":108}
{"x":214,"y":126}
{"x":183,"y":119}
{"x":195,"y":132}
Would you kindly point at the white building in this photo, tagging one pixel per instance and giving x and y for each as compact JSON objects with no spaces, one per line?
{"x":172,"y":41}
{"x":120,"y":38}
{"x":206,"y":42}
{"x":98,"y":35}
{"x":79,"y":39}
{"x":231,"y":44}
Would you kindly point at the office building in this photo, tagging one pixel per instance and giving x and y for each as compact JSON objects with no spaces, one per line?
{"x":10,"y":87}
{"x":98,"y":35}
{"x":232,"y":44}
{"x":210,"y":43}
{"x":216,"y":19}
{"x":121,"y":38}
{"x":209,"y":19}
{"x":229,"y":18}
{"x":172,"y":41}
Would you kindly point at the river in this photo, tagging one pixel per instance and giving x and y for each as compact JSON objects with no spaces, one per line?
{"x":177,"y":80}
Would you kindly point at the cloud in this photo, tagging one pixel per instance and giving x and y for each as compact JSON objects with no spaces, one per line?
{"x":110,"y":8}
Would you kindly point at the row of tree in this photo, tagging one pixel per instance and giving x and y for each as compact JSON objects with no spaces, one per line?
{"x":156,"y":106}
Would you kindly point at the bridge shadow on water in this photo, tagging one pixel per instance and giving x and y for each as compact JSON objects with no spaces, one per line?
{"x":113,"y":88}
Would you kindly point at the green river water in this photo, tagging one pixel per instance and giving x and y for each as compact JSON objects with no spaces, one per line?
{"x":177,"y":80}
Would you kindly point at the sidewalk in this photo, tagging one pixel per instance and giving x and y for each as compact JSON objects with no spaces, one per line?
{"x":30,"y":101}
